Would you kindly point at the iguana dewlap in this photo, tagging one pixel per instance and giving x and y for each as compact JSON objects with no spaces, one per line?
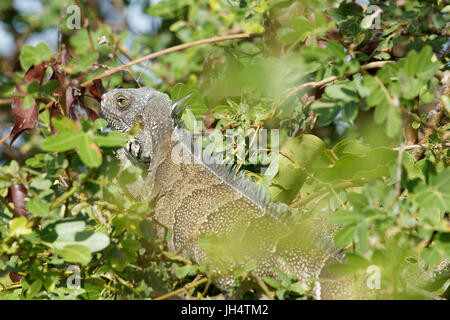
{"x":198,"y":197}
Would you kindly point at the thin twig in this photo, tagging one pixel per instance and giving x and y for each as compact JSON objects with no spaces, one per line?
{"x":398,"y":184}
{"x":5,"y":101}
{"x":8,"y":206}
{"x":263,"y":286}
{"x":165,"y":51}
{"x":5,"y":138}
{"x":64,"y":197}
{"x":186,"y":287}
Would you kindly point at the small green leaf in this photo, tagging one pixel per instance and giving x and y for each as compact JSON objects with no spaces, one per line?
{"x":350,"y":110}
{"x":74,"y":233}
{"x":89,"y":152}
{"x":111,"y":139}
{"x":344,"y":217}
{"x":431,"y":256}
{"x":394,"y":122}
{"x":345,"y":236}
{"x":326,"y":110}
{"x":75,"y":253}
{"x":416,"y":125}
{"x":189,"y":120}
{"x":367,"y":21}
{"x":361,"y":235}
{"x":436,"y":195}
{"x":63,"y":141}
{"x":38,"y":207}
{"x":118,"y":259}
{"x":20,"y":226}
{"x":30,"y":55}
{"x":272,"y":282}
{"x":100,"y":124}
{"x":302,"y":24}
{"x":34,"y":289}
{"x":147,"y":230}
{"x":69,"y":227}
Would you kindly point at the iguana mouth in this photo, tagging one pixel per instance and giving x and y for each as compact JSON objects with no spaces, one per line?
{"x":114,"y":121}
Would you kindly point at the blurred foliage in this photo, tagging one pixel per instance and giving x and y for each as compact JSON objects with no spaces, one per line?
{"x":346,"y":95}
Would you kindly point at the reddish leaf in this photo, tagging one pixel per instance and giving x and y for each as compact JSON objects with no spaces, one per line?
{"x":97,"y":90}
{"x":24,"y":119}
{"x":75,"y":107}
{"x":208,"y":119}
{"x":15,"y":277}
{"x":36,"y":73}
{"x":17,"y":194}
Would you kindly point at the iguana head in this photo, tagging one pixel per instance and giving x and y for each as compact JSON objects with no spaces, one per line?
{"x":123,"y":108}
{"x":152,"y":110}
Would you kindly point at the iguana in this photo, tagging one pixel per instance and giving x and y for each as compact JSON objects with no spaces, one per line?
{"x":200,"y":197}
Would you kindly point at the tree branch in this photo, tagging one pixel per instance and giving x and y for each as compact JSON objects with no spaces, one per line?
{"x":168,"y":50}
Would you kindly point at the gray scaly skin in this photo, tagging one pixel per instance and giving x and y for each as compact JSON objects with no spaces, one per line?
{"x":198,"y":197}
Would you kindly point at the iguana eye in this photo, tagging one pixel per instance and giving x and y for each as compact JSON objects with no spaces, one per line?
{"x":122,"y":101}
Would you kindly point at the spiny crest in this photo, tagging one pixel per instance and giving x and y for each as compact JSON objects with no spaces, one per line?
{"x":230,"y":174}
{"x":255,"y":193}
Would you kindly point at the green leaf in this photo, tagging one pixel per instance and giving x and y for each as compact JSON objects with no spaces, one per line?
{"x":350,"y":110}
{"x":326,"y":110}
{"x":64,"y":124}
{"x":84,"y":63}
{"x":411,"y":63}
{"x":431,"y":256}
{"x":302,"y":24}
{"x":288,"y":35}
{"x":41,"y":184}
{"x":100,"y":124}
{"x":367,"y":21}
{"x":345,"y":92}
{"x":69,"y":227}
{"x":74,"y":233}
{"x":38,"y":207}
{"x":183,"y":271}
{"x":20,"y":226}
{"x":284,"y":278}
{"x":381,"y":112}
{"x":118,"y":259}
{"x":63,"y":141}
{"x":147,"y":230}
{"x":345,"y":236}
{"x":394,"y":122}
{"x":344,"y":217}
{"x":362,"y":237}
{"x":111,"y":139}
{"x":89,"y":152}
{"x":34,"y":289}
{"x":272,"y":282}
{"x":435,"y":195}
{"x":289,"y":179}
{"x":189,"y":120}
{"x":30,"y":55}
{"x":427,"y":96}
{"x":75,"y":253}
